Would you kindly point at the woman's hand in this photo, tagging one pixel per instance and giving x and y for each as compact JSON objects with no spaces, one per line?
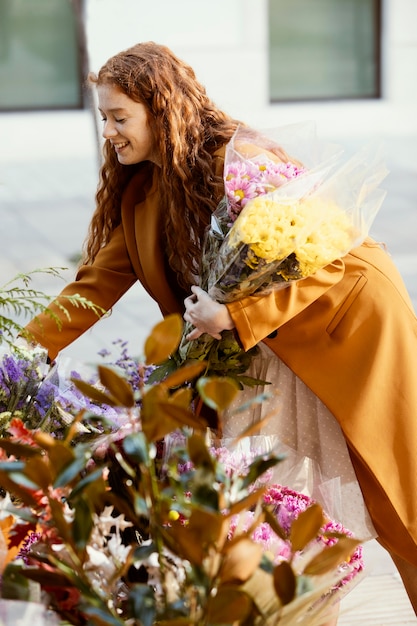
{"x":207,"y":315}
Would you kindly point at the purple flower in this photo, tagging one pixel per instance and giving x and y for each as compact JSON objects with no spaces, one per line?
{"x":45,"y":398}
{"x":15,"y":369}
{"x":24,"y":552}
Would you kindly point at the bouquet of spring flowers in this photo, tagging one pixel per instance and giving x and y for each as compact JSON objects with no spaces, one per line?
{"x":279,"y":221}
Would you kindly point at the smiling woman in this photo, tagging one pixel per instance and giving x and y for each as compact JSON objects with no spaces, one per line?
{"x":330,"y":341}
{"x":126,"y":126}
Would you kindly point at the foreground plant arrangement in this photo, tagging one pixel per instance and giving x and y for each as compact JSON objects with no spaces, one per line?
{"x":111,"y":532}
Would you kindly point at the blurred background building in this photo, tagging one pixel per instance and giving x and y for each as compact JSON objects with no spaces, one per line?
{"x":350,"y":65}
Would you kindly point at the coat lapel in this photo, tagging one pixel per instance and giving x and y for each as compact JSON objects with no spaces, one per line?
{"x":143,"y":233}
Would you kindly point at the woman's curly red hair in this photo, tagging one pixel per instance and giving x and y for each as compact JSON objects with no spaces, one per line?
{"x":188,"y":128}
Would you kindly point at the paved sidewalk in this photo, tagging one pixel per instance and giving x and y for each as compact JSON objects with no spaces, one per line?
{"x":45,"y":208}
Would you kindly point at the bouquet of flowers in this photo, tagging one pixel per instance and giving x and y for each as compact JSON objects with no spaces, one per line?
{"x":235,"y":457}
{"x":45,"y":397}
{"x":280,"y":221}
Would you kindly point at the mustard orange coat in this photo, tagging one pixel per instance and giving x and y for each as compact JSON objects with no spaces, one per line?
{"x":349,"y":332}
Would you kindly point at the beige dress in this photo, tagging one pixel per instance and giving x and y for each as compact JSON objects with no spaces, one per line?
{"x":317,"y":461}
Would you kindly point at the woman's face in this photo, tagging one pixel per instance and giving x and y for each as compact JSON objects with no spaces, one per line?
{"x":125,"y":125}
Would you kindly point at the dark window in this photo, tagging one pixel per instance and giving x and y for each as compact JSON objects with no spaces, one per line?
{"x":40,"y":55}
{"x":324,"y":49}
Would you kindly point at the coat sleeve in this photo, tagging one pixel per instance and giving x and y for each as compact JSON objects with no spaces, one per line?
{"x":256,"y":317}
{"x":102,"y":283}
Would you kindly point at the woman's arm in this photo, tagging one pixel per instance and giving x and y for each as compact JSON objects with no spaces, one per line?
{"x":255,"y":317}
{"x":102,"y":283}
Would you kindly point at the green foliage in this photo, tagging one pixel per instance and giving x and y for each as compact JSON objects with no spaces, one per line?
{"x":165,"y":556}
{"x":18,"y":299}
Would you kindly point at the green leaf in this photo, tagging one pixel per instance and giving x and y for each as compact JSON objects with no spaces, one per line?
{"x":140,"y":506}
{"x":118,"y":387}
{"x":23,"y":481}
{"x":306,"y":527}
{"x":285,"y":582}
{"x":142,"y":604}
{"x":163,"y":340}
{"x":330,"y":557}
{"x":162,"y":371}
{"x":14,"y":585}
{"x":83,"y":484}
{"x":144,"y":552}
{"x":94,"y":394}
{"x":19,"y":450}
{"x":217,"y":392}
{"x":259,"y":466}
{"x":9,"y":484}
{"x":10,"y":467}
{"x":70,"y":471}
{"x":198,"y":452}
{"x":82,"y":524}
{"x":185,"y":374}
{"x":229,"y":605}
{"x":204,"y":492}
{"x":101,"y":615}
{"x":136,"y":448}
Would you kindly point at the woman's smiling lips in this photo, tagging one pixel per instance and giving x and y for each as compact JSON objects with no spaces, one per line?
{"x":120,"y":146}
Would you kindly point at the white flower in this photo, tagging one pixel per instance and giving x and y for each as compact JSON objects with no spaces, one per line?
{"x":100,"y":569}
{"x":106,"y":522}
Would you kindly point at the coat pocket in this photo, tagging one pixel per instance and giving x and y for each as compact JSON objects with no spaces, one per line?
{"x":358,"y":283}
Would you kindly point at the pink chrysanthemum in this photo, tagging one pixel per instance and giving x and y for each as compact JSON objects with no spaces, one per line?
{"x":288,"y":505}
{"x":263,"y":534}
{"x":239,"y":191}
{"x":244,"y":181}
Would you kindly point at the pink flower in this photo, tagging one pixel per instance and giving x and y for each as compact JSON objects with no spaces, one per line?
{"x":246,"y":180}
{"x":263,"y":534}
{"x":288,"y":504}
{"x":239,"y":191}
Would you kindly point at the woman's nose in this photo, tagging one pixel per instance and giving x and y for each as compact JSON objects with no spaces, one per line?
{"x":108,"y":130}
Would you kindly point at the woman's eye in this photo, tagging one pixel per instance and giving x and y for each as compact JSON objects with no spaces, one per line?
{"x":119,"y":121}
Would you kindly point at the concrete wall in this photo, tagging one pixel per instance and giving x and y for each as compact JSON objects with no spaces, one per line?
{"x":226,"y":43}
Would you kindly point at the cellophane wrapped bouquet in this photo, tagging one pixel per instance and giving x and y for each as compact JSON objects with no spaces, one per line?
{"x":291,"y":206}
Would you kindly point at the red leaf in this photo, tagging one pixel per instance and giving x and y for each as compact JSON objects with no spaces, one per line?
{"x":19,"y":534}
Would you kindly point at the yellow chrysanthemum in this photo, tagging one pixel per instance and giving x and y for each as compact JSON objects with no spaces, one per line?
{"x":316,"y":230}
{"x":332,"y":237}
{"x":271,"y":229}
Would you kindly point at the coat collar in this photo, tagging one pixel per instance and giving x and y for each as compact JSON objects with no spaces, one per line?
{"x":142,"y":224}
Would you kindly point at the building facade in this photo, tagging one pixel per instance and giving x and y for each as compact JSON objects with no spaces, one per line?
{"x":363,"y":88}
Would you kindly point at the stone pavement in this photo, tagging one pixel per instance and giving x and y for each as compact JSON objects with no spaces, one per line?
{"x":45,"y":207}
